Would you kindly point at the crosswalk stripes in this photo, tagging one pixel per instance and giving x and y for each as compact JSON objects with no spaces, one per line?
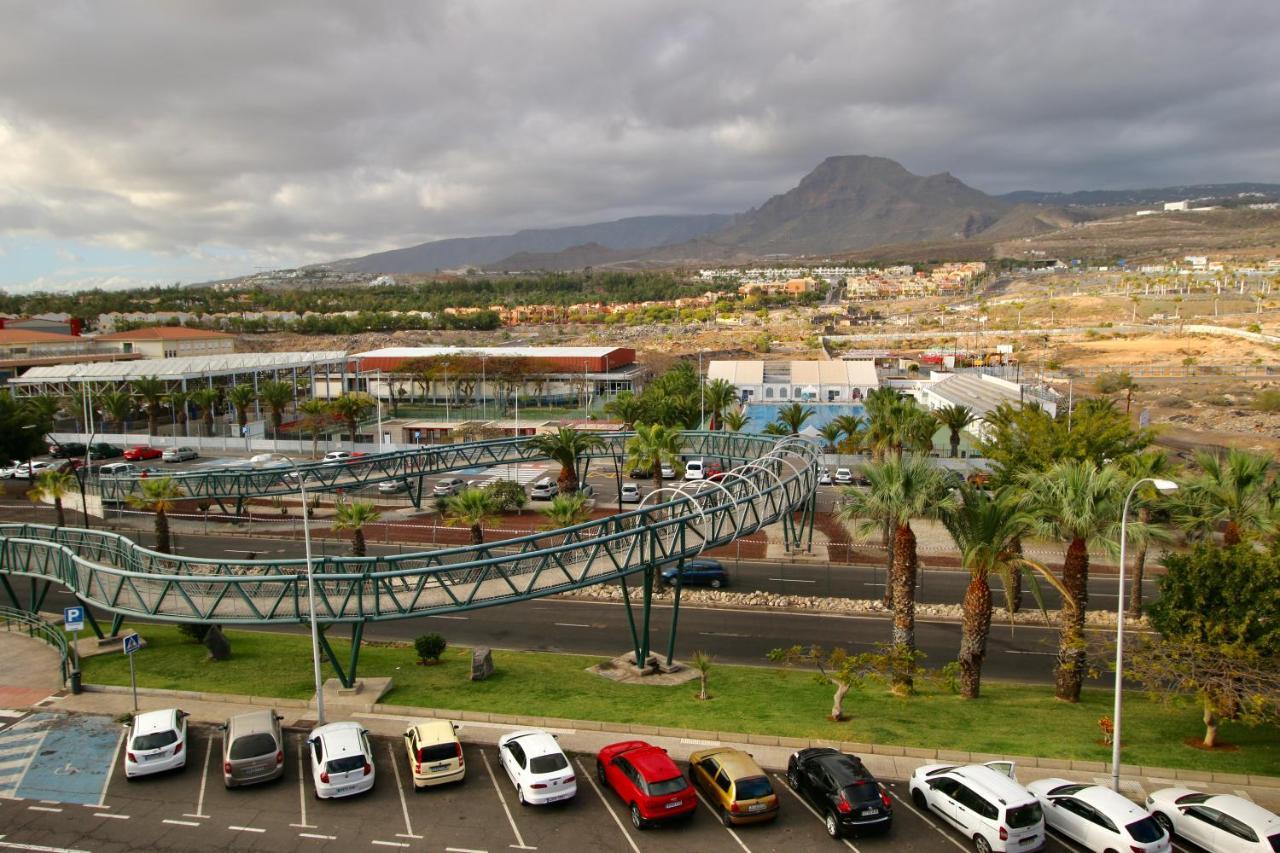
{"x":19,"y":745}
{"x":522,"y":474}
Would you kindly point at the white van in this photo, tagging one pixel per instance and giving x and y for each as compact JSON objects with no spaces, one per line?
{"x":984,"y":802}
{"x":118,"y":469}
{"x":693,"y":470}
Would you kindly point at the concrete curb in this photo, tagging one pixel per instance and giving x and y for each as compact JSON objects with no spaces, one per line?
{"x":920,"y":756}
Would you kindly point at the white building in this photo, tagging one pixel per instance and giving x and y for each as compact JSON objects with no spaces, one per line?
{"x":980,"y":392}
{"x":786,"y":381}
{"x":1177,"y":205}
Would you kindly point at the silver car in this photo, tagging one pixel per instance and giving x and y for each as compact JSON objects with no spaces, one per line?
{"x":252,"y":748}
{"x":179,"y":454}
{"x":448,"y":487}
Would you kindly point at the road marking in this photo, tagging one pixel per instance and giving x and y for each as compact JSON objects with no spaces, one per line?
{"x":728,"y":829}
{"x":722,"y":634}
{"x":115,"y":759}
{"x":612,"y":814}
{"x":791,"y":580}
{"x":302,"y":791}
{"x":796,"y":794}
{"x":458,"y":618}
{"x":404,"y":807}
{"x":112,"y":816}
{"x":11,"y":715}
{"x":389,"y":843}
{"x":519,"y":845}
{"x":463,"y":850}
{"x":235,"y":828}
{"x":571,"y":625}
{"x":181,"y":822}
{"x":906,"y":802}
{"x":43,"y":809}
{"x":1024,"y":652}
{"x":14,"y":845}
{"x":204,"y":777}
{"x":317,"y":837}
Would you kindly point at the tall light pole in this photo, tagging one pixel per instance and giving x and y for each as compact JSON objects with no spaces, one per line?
{"x":1164,"y":487}
{"x":702,"y":394}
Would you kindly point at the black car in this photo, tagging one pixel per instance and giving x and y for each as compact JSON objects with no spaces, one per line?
{"x":105,"y":451}
{"x":67,"y":450}
{"x":841,"y":789}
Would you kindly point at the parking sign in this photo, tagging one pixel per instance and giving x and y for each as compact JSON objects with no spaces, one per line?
{"x":73,"y":618}
{"x":132,"y":642}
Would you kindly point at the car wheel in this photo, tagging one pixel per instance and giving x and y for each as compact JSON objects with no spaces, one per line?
{"x":982,"y":845}
{"x":917,"y":797}
{"x":725,"y":818}
{"x":716,"y":584}
{"x":833,"y":826}
{"x":520,"y":795}
{"x":636,"y":820}
{"x":1165,"y":823}
{"x":793,"y":780}
{"x":600,"y":774}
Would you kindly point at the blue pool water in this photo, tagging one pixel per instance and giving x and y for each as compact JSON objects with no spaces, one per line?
{"x":761,"y":414}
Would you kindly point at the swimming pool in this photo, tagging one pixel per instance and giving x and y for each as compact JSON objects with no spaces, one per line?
{"x":759,"y":415}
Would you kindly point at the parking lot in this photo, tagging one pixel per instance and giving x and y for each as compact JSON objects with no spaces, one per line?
{"x":89,"y":806}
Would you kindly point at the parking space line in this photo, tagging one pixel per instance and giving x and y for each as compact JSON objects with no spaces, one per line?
{"x":463,"y":850}
{"x":728,"y":829}
{"x":519,"y":845}
{"x":389,"y":843}
{"x":111,"y":816}
{"x":43,"y":809}
{"x":812,"y":810}
{"x":111,"y":771}
{"x":41,"y":848}
{"x":906,"y":802}
{"x":612,"y":814}
{"x":404,"y":807}
{"x":181,"y":822}
{"x":317,"y":836}
{"x":234,"y":828}
{"x":302,"y":791}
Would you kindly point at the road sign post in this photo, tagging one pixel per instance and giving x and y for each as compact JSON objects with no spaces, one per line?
{"x":132,"y":642}
{"x":73,"y":623}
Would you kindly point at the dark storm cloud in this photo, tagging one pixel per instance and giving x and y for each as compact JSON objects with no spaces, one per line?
{"x":310,"y":130}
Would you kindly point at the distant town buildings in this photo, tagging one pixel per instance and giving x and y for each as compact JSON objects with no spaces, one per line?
{"x":905,"y":281}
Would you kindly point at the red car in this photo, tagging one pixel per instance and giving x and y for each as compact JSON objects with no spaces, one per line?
{"x":134,"y":454}
{"x":647,"y":780}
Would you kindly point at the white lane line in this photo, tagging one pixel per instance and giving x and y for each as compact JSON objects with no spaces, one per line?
{"x":41,"y":848}
{"x":235,"y":828}
{"x":404,"y":806}
{"x":612,"y":814}
{"x":302,"y":791}
{"x":905,"y":801}
{"x":796,"y":794}
{"x":723,"y":634}
{"x":571,"y":625}
{"x":115,"y":759}
{"x":728,"y":829}
{"x":389,"y":843}
{"x":1022,"y":652}
{"x":519,"y":845}
{"x":43,"y":809}
{"x":181,"y":822}
{"x":317,"y":837}
{"x":463,"y":850}
{"x":204,"y":778}
{"x":457,"y":618}
{"x":791,"y":580}
{"x":112,"y":816}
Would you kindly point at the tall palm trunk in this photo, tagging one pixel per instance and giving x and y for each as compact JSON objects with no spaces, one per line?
{"x":357,"y":543}
{"x":57,"y":508}
{"x":1071,"y":652}
{"x":568,"y":481}
{"x":955,"y":443}
{"x":904,"y":608}
{"x":974,"y":629}
{"x":887,"y":535}
{"x":1231,"y":534}
{"x":152,"y":419}
{"x":163,"y":544}
{"x":1139,"y":566}
{"x":1013,"y":595}
{"x":477,"y":535}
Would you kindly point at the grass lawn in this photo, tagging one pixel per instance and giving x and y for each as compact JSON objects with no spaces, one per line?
{"x":1012,"y":719}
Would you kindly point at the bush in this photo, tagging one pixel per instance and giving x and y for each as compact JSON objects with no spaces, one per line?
{"x":506,"y":495}
{"x":1267,"y":401}
{"x":1109,"y":383}
{"x":1220,"y":400}
{"x":1174,"y":402}
{"x":430,"y":647}
{"x":194,"y":631}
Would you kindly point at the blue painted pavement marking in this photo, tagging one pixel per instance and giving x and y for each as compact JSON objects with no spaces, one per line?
{"x":19,"y":744}
{"x":73,"y":763}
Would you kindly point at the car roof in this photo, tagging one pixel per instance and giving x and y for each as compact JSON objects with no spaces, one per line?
{"x":1242,"y":809}
{"x":150,"y":722}
{"x":436,"y":731}
{"x":844,"y":769}
{"x":252,"y":722}
{"x":996,"y":783}
{"x":735,"y":762}
{"x":534,"y":742}
{"x":652,"y":761}
{"x":1110,"y":803}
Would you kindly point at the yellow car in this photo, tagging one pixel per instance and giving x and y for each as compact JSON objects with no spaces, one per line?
{"x":435,"y":755}
{"x":734,"y":785}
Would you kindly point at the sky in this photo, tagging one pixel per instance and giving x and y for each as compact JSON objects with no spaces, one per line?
{"x":148,"y":143}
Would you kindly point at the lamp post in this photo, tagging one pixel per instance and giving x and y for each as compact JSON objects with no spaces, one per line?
{"x":1164,"y":487}
{"x":702,"y":394}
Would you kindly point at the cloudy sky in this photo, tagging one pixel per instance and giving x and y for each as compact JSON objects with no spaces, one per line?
{"x":154,"y":142}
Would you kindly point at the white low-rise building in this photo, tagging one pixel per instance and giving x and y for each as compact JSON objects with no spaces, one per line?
{"x":787,"y":381}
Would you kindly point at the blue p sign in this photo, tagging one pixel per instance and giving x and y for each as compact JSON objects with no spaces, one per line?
{"x":73,"y":618}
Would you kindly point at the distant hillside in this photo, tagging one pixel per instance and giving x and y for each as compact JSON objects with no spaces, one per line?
{"x":639,"y":232}
{"x":1089,"y":198}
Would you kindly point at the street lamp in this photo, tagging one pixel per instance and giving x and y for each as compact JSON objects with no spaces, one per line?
{"x":1164,"y":487}
{"x":300,"y":476}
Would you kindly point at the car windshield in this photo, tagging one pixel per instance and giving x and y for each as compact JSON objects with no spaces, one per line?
{"x":862,"y":792}
{"x":438,"y":752}
{"x":1145,"y":831}
{"x":155,"y":740}
{"x":753,"y":787}
{"x":673,"y":785}
{"x":1025,"y":815}
{"x":345,"y":764}
{"x":251,"y":746}
{"x":1275,"y":842}
{"x":547,"y":763}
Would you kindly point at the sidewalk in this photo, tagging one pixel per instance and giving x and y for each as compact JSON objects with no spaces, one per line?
{"x":24,"y":662}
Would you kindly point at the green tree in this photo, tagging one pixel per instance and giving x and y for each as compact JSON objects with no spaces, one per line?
{"x":566,"y":510}
{"x":955,"y":418}
{"x":316,"y":415}
{"x":626,"y":407}
{"x":1234,"y":492}
{"x":470,"y":508}
{"x":178,"y":401}
{"x":117,"y":406}
{"x":206,"y":400}
{"x":159,"y":495}
{"x":837,"y":668}
{"x":54,"y":484}
{"x":241,"y":397}
{"x":567,"y":447}
{"x":355,"y":516}
{"x":720,"y":395}
{"x":793,"y":416}
{"x":851,"y":427}
{"x":276,"y":395}
{"x":22,"y":429}
{"x":351,"y":408}
{"x":152,"y":392}
{"x":702,"y":663}
{"x":831,"y":434}
{"x":735,"y":420}
{"x":899,"y":490}
{"x":652,"y":447}
{"x":1078,"y":503}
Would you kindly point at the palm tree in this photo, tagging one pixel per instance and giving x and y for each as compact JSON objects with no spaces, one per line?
{"x":955,"y":418}
{"x":354,"y":516}
{"x":735,"y":420}
{"x":899,"y":490}
{"x":178,"y":401}
{"x":351,"y":408}
{"x":775,"y":428}
{"x":277,"y":395}
{"x":652,"y":447}
{"x":566,"y":446}
{"x":470,"y":508}
{"x":626,"y":407}
{"x":988,"y":530}
{"x":152,"y":391}
{"x":159,"y":495}
{"x":54,"y":484}
{"x":1078,"y":503}
{"x":719,"y":395}
{"x":851,"y":426}
{"x":315,"y":415}
{"x":794,"y":415}
{"x":241,"y":396}
{"x":831,"y":433}
{"x":118,"y":406}
{"x":702,"y":662}
{"x":43,"y":408}
{"x":206,"y":400}
{"x":1233,"y":493}
{"x":566,"y":510}
{"x":1152,"y":463}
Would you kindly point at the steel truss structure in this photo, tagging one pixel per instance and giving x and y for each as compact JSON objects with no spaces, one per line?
{"x":775,"y":481}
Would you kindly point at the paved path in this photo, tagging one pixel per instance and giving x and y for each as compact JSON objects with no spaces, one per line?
{"x":28,"y":669}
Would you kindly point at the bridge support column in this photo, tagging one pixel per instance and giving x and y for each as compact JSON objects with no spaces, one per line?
{"x":675,"y":613}
{"x":91,"y":619}
{"x":13,"y":596}
{"x":37,"y":599}
{"x":347,"y":676}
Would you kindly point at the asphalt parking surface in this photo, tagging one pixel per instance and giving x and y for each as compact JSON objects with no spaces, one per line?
{"x":96,"y":809}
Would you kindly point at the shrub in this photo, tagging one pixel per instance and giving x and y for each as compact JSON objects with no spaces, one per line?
{"x":1109,"y":383}
{"x":1220,"y":400}
{"x":430,"y":647}
{"x":1267,"y":401}
{"x":506,"y":495}
{"x":1174,"y":402}
{"x":1254,"y":327}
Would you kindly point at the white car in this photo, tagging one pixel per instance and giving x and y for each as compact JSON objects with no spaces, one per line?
{"x":1220,"y":823}
{"x":267,"y":460}
{"x":33,"y":470}
{"x":692,"y":470}
{"x":179,"y":454}
{"x":392,"y":487}
{"x":341,"y":760}
{"x":668,"y":473}
{"x":844,"y":477}
{"x":537,"y":767}
{"x":630,"y":493}
{"x":984,"y":802}
{"x":9,"y":471}
{"x":157,"y":742}
{"x":544,"y":490}
{"x":1098,"y":818}
{"x":337,"y":455}
{"x":824,"y":478}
